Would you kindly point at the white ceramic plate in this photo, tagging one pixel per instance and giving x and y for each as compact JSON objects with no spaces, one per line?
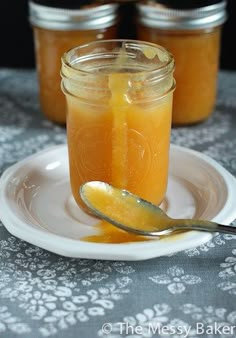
{"x":37,"y":205}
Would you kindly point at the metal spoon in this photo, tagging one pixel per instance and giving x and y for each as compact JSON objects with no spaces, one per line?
{"x":133,"y":214}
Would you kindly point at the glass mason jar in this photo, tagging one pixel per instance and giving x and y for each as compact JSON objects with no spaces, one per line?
{"x":119,"y":99}
{"x":193,"y":37}
{"x":55,"y":31}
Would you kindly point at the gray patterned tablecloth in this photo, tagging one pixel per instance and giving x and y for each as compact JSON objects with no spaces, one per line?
{"x":45,"y":295}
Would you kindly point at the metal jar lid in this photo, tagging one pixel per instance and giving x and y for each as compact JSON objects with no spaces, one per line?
{"x":159,"y":16}
{"x":54,"y":18}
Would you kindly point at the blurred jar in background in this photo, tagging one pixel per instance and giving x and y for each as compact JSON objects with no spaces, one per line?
{"x":58,"y":29}
{"x":192,"y":35}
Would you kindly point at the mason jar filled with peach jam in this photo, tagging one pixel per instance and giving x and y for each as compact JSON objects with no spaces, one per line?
{"x":192,"y":35}
{"x":58,"y":26}
{"x":119,"y":98}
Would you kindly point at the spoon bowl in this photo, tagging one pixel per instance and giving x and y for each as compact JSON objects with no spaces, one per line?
{"x":134,"y":214}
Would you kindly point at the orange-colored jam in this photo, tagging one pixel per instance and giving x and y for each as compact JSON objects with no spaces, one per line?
{"x":125,"y":210}
{"x":119,"y":122}
{"x":108,"y":233}
{"x":123,"y":143}
{"x":122,"y":209}
{"x":50,"y":46}
{"x":196,"y":54}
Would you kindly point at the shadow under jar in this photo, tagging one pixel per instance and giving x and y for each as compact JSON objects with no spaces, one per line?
{"x":119,"y":98}
{"x":56,"y":30}
{"x":192,"y":35}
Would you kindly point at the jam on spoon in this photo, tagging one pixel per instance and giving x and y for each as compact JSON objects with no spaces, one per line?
{"x":133,"y":214}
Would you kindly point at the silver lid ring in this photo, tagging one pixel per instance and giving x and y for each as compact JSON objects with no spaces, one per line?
{"x":72,"y":19}
{"x":167,"y":18}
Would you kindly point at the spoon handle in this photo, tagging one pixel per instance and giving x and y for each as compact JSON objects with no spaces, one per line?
{"x":206,"y":226}
{"x":226,"y":229}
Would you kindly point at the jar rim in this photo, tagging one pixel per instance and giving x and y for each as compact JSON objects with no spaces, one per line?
{"x":148,"y":65}
{"x":102,"y":16}
{"x":159,"y":16}
{"x":167,"y":66}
